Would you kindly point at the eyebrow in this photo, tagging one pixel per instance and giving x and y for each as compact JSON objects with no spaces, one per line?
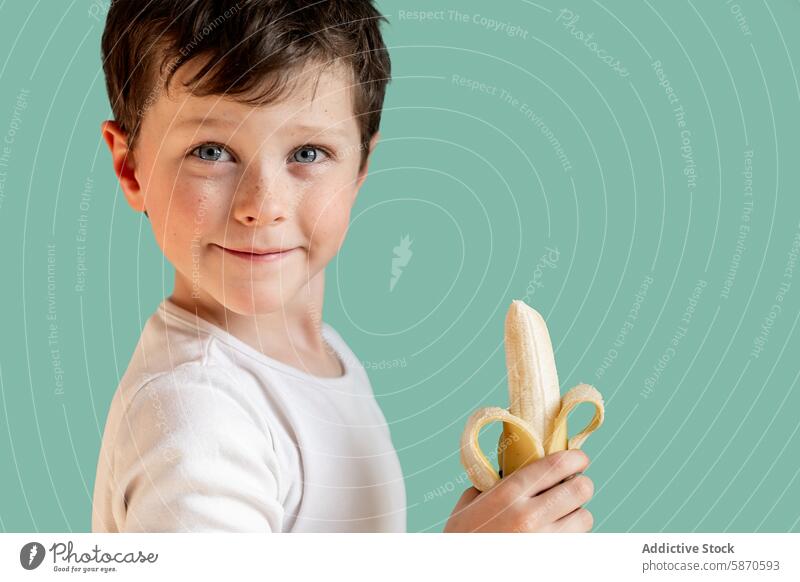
{"x":211,"y":121}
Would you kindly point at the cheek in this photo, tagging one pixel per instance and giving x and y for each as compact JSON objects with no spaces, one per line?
{"x":189,"y":210}
{"x":325,"y":219}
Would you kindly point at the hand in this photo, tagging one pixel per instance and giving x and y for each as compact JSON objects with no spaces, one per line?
{"x":532,"y":499}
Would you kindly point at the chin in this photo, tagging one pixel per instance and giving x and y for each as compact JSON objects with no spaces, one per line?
{"x":255,"y":301}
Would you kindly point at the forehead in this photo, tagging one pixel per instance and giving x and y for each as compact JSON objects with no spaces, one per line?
{"x":317,"y":95}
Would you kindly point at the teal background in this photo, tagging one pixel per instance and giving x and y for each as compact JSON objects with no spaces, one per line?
{"x":479,"y":188}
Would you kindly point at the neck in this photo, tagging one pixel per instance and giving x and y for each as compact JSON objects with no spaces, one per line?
{"x":297,"y":323}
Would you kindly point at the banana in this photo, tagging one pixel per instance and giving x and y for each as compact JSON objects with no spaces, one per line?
{"x":535,"y":423}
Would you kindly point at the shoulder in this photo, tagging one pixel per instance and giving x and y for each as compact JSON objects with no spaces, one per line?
{"x":332,"y":334}
{"x":194,"y":390}
{"x":166,"y":344}
{"x":191,"y":411}
{"x":192,"y":454}
{"x":338,"y":343}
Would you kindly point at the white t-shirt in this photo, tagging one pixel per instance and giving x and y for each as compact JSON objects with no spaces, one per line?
{"x":206,"y":433}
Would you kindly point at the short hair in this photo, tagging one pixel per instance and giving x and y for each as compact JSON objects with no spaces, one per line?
{"x":254,"y":49}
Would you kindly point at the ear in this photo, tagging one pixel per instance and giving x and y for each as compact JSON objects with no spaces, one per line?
{"x":362,"y":173}
{"x":124,"y":164}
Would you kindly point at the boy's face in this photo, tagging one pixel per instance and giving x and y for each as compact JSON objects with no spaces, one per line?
{"x":216,"y":175}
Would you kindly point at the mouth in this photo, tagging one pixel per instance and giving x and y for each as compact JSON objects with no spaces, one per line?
{"x":259,"y":255}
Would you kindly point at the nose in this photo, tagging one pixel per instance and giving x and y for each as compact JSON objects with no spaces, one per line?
{"x":262,"y":201}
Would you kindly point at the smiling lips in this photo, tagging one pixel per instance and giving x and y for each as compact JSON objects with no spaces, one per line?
{"x":259,"y":255}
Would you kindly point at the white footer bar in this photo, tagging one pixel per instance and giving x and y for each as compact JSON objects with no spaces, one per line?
{"x":422,"y":557}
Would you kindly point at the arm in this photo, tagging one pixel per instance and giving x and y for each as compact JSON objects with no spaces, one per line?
{"x":191,"y":455}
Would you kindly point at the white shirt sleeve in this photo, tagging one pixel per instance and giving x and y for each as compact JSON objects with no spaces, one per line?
{"x":192,"y":455}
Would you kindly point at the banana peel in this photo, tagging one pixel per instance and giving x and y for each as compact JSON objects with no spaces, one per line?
{"x":535,"y":423}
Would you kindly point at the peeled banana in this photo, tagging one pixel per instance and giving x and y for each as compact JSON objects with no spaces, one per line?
{"x":535,"y":423}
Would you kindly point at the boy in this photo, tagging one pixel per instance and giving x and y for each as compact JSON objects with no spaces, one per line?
{"x":243,"y":132}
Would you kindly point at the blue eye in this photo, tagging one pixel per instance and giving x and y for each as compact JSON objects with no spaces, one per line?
{"x":214,"y":152}
{"x":306,"y":154}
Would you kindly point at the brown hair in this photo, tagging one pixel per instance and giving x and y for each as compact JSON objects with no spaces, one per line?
{"x":254,"y":49}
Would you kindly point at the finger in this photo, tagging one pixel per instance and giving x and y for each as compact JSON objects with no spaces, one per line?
{"x":564,"y":498}
{"x":542,"y":474}
{"x":571,"y":477}
{"x":578,"y":521}
{"x":466,"y":498}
